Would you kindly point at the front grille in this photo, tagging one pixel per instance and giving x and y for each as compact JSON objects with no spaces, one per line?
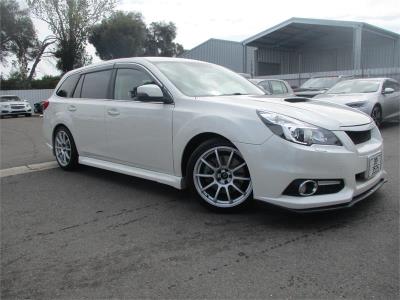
{"x":17,"y":106}
{"x":359,"y":137}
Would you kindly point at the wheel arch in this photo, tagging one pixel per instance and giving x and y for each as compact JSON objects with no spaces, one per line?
{"x":196,"y":141}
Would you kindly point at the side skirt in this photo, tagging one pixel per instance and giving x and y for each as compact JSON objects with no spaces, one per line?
{"x":171,"y":180}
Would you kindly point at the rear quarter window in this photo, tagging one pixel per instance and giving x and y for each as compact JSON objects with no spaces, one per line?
{"x":68,"y":86}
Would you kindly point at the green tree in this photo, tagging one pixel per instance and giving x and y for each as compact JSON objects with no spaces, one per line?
{"x":160,"y":40}
{"x":18,"y":38}
{"x":121,"y":35}
{"x":70,"y":22}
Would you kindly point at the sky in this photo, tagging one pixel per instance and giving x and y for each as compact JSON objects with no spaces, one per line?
{"x":199,"y":20}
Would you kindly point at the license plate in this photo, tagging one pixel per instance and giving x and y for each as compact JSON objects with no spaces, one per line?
{"x":374,"y":164}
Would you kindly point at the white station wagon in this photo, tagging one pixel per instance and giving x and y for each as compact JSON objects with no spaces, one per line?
{"x":192,"y":124}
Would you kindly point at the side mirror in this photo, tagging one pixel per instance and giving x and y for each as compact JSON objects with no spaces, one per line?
{"x":150,"y":92}
{"x":388,"y":91}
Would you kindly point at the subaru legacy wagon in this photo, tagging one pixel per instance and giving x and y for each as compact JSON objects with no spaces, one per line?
{"x":193,"y":124}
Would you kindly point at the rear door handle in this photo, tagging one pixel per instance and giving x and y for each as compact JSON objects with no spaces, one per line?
{"x":113,"y":112}
{"x":71,"y":107}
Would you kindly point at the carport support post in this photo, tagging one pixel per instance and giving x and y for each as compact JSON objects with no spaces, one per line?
{"x":357,"y":39}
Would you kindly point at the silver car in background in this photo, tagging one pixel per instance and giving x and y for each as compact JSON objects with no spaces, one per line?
{"x":274,"y":87}
{"x":377,"y":97}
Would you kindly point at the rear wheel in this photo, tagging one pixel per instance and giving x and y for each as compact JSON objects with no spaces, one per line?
{"x":219,"y":175}
{"x":65,"y":149}
{"x":376,"y":115}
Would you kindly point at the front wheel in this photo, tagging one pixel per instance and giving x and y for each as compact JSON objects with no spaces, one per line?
{"x":376,"y":115}
{"x":219,"y":175}
{"x":65,"y":149}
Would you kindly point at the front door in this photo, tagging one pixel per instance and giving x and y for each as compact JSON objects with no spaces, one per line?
{"x":138,"y":133}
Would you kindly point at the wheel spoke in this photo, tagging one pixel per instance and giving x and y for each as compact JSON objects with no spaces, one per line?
{"x":238,"y":167}
{"x":204,"y":175}
{"x":216,"y":194}
{"x":218,"y":160}
{"x":241,"y":178}
{"x":208,"y":186}
{"x":236,"y":188}
{"x":228,"y":194}
{"x":208,"y":164}
{"x":229,"y":159}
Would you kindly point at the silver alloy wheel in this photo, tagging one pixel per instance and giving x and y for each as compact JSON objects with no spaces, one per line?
{"x":63,"y":148}
{"x":221,"y":177}
{"x":376,"y":115}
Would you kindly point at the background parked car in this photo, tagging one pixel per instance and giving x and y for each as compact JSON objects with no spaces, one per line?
{"x":12,"y":105}
{"x":377,"y":97}
{"x":274,"y":86}
{"x":318,"y":85}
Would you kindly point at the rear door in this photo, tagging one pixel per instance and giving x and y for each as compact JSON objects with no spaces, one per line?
{"x":86,"y":109}
{"x":138,"y":133}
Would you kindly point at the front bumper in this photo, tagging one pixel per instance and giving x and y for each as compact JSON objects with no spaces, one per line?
{"x":276,"y":163}
{"x":10,"y":112}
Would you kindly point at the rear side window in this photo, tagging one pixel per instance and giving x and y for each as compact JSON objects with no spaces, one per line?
{"x":278,"y":87}
{"x":95,"y":85}
{"x":68,"y":86}
{"x":265,"y":86}
{"x":77,"y":92}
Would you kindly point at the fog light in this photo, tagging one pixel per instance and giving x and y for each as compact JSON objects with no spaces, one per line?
{"x":308,"y":188}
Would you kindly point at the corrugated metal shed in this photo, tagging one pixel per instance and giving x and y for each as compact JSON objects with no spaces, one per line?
{"x":225,"y":53}
{"x":311,"y":45}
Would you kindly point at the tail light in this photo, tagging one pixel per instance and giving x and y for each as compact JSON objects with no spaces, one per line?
{"x":45,"y":104}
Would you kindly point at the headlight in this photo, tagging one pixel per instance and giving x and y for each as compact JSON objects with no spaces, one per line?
{"x":5,"y":106}
{"x":356,"y":104}
{"x":297,"y":131}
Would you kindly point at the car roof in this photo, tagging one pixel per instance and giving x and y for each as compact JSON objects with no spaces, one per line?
{"x":142,"y":60}
{"x":258,"y":80}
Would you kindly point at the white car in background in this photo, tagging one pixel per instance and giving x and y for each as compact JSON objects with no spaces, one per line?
{"x":377,"y":97}
{"x":12,"y":105}
{"x":192,"y":124}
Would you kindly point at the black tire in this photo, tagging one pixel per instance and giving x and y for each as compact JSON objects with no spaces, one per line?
{"x":72,"y":163}
{"x":376,"y":115}
{"x":28,"y":115}
{"x":15,"y":116}
{"x":200,"y":150}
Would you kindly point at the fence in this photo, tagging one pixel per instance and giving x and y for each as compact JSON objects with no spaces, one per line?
{"x":32,"y":96}
{"x":299,"y":79}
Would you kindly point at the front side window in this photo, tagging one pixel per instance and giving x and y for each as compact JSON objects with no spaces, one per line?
{"x":95,"y":85}
{"x":355,"y":87}
{"x":197,"y":79}
{"x":127,"y":81}
{"x":68,"y":86}
{"x":391,"y":84}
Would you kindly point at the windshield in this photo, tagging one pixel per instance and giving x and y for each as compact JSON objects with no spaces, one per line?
{"x":355,"y":86}
{"x":9,"y":98}
{"x":198,"y":79}
{"x":320,"y":83}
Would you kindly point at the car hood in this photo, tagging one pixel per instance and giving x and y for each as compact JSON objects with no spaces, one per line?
{"x":345,"y":98}
{"x":319,"y":113}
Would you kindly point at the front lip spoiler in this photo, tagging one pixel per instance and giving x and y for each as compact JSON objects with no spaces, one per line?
{"x":354,"y":201}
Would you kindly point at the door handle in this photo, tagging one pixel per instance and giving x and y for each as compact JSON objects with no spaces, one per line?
{"x":113,"y":112}
{"x":71,"y":107}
